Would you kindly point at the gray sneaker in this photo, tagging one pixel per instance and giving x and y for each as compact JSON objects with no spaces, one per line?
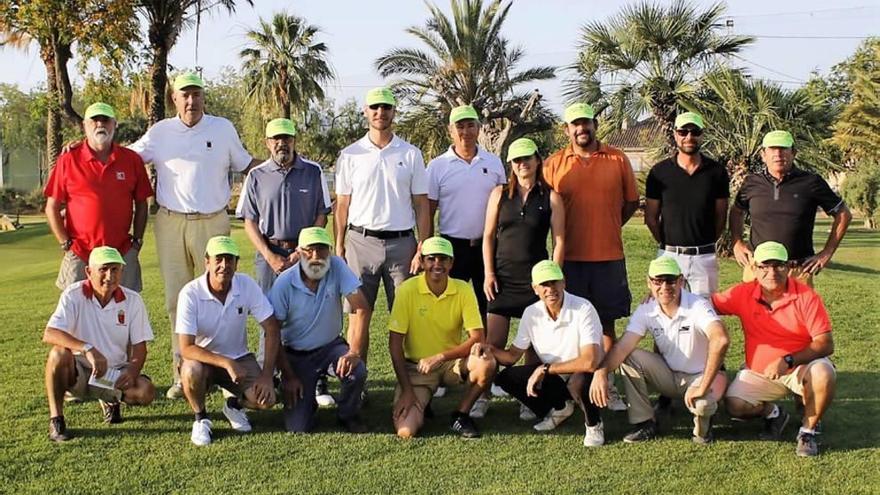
{"x":807,"y":445}
{"x":646,"y":430}
{"x":773,"y":427}
{"x":175,"y":391}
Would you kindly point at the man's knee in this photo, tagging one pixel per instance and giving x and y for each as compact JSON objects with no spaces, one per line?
{"x":737,"y":407}
{"x":575,"y":386}
{"x":409,"y":427}
{"x":192,"y":371}
{"x":142,"y":394}
{"x":59,"y":357}
{"x":705,"y":407}
{"x":820,"y":376}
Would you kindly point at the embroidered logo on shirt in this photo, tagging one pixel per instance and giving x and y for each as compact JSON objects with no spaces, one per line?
{"x":423,"y":311}
{"x":240,"y":310}
{"x":685,"y":329}
{"x":485,"y":171}
{"x":209,"y":144}
{"x":120,"y":317}
{"x":120,"y":175}
{"x":304,"y":190}
{"x":399,"y":164}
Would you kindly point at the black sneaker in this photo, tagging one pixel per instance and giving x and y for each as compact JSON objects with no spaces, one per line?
{"x":773,"y":427}
{"x":58,"y":430}
{"x":353,"y":425}
{"x":807,"y":446}
{"x":646,"y":430}
{"x":365,"y":398}
{"x":464,"y":425}
{"x":111,"y":411}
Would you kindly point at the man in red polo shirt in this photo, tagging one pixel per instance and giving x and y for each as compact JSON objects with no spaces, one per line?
{"x":97,"y":185}
{"x":788,"y":341}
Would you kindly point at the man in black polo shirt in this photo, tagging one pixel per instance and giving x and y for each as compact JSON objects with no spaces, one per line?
{"x":686,"y":206}
{"x":782,"y":201}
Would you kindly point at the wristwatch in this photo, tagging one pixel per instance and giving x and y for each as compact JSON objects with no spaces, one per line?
{"x":547,"y":369}
{"x":138,"y":243}
{"x":65,"y":246}
{"x":789,"y":360}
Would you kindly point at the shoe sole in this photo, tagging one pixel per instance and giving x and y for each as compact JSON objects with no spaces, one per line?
{"x":776,"y":437}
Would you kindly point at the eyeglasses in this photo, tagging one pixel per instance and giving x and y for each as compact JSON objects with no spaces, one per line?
{"x":767,"y":267}
{"x":320,"y":249}
{"x":693,"y":132}
{"x":383,"y":106}
{"x":659,"y":281}
{"x":437,"y":258}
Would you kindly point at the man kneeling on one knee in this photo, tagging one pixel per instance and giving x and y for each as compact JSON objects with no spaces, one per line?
{"x":308,"y":301}
{"x":430,"y":313}
{"x":566,"y":334}
{"x":211,"y":327}
{"x":692,"y":342}
{"x":788,"y":340}
{"x":99,"y":334}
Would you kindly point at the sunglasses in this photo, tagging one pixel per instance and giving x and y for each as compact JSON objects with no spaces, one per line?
{"x":383,"y":106}
{"x":659,"y":281}
{"x":776,"y":267}
{"x":693,"y":132}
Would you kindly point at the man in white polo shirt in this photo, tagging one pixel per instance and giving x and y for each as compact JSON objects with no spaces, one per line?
{"x":692,"y":342}
{"x":381,"y":194}
{"x":566,"y":334}
{"x":459,"y":184}
{"x":212,"y":330}
{"x":193,"y":154}
{"x":99,"y":334}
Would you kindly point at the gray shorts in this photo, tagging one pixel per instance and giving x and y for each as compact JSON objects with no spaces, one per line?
{"x":374,"y":260}
{"x":603,"y":283}
{"x":81,"y":388}
{"x":73,"y":269}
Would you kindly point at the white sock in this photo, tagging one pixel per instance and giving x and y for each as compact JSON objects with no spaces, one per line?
{"x":807,"y":430}
{"x":774,"y":413}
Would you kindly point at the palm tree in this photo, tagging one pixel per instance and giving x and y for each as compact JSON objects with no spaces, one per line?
{"x":649,"y":58}
{"x":467,"y":61}
{"x":165,"y":21}
{"x":285,"y":67}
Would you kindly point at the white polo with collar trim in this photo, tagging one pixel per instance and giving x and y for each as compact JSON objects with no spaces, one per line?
{"x":381,"y":182}
{"x":559,"y":340}
{"x":682,"y":339}
{"x":221,"y":327}
{"x":462,"y":190}
{"x":193,"y":163}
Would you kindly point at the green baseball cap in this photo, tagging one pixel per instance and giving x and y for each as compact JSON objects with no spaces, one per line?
{"x":520,"y":148}
{"x":546,"y":271}
{"x":105,"y":255}
{"x":186,"y":80}
{"x":463,"y":112}
{"x":578,"y":111}
{"x":778,"y":139}
{"x":686,"y":118}
{"x":664,"y":265}
{"x":99,"y":109}
{"x":770,"y":251}
{"x":437,"y":245}
{"x":380,"y":95}
{"x":280,"y":127}
{"x":314,"y":235}
{"x":221,"y":244}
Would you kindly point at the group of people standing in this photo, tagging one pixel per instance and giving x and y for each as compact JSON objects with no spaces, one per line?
{"x":451,"y":293}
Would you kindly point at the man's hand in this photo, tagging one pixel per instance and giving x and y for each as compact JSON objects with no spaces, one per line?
{"x":480,"y":363}
{"x":293,"y":258}
{"x":778,"y":367}
{"x":599,"y":389}
{"x":490,"y":286}
{"x":416,"y":264}
{"x":742,"y":253}
{"x":97,"y":361}
{"x":264,"y":389}
{"x":278,"y":263}
{"x":347,"y":364}
{"x":71,"y":145}
{"x":292,"y":388}
{"x":236,"y":371}
{"x":535,"y":382}
{"x":406,"y":401}
{"x":816,"y":263}
{"x":126,"y":379}
{"x":691,"y":395}
{"x":430,"y":363}
{"x":340,"y":250}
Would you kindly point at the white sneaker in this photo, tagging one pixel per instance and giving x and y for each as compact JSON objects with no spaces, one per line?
{"x":615,"y":402}
{"x":555,"y":417}
{"x":175,"y":391}
{"x":595,"y":435}
{"x":497,"y":391}
{"x":478,"y":410}
{"x":440,"y":392}
{"x":237,"y":419}
{"x":201,"y":433}
{"x":526,"y":414}
{"x":322,"y":395}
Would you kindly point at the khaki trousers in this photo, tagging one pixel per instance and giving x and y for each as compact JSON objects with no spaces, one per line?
{"x":180,"y":246}
{"x":643,"y":368}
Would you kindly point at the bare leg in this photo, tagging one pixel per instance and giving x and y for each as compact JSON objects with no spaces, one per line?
{"x":819,"y":388}
{"x":141,"y":393}
{"x":409,"y":425}
{"x":194,"y":379}
{"x":60,"y":376}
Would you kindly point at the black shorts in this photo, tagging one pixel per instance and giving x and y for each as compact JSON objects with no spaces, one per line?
{"x":603,"y":283}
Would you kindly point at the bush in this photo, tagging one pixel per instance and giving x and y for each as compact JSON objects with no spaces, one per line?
{"x":861,"y":190}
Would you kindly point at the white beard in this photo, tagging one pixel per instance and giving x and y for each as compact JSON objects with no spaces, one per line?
{"x":103,"y":138}
{"x":316,"y":270}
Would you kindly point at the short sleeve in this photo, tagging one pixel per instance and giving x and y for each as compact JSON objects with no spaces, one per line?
{"x":239,"y":158}
{"x":827,"y":199}
{"x":722,"y":183}
{"x":703,"y":314}
{"x":56,"y":185}
{"x":589,"y":326}
{"x":815,"y":315}
{"x":742,"y":196}
{"x":728,"y":302}
{"x":242,"y":197}
{"x":248,"y":199}
{"x":549,"y":170}
{"x":399,"y":320}
{"x":349,"y":283}
{"x":470,"y":311}
{"x":258,"y":304}
{"x":144,"y":146}
{"x":187,"y":321}
{"x":630,"y":189}
{"x":140,"y":330}
{"x":419,"y":184}
{"x":343,"y":175}
{"x":143,"y":190}
{"x":278,"y":295}
{"x":434,"y":180}
{"x":653,"y":187}
{"x":638,"y":323}
{"x":523,"y":337}
{"x":65,"y":313}
{"x":499,"y":167}
{"x":325,"y":193}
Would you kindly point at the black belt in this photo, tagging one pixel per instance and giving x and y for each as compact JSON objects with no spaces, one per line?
{"x":470,"y":242}
{"x":381,"y":234}
{"x":291,"y":245}
{"x":690,"y":250}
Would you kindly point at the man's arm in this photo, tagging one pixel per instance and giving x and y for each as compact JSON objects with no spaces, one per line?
{"x":507,"y":357}
{"x":424,"y":219}
{"x":462,"y":350}
{"x":60,"y":338}
{"x":139,"y":224}
{"x":622,"y":348}
{"x":589,"y":358}
{"x":273,"y":343}
{"x":629,"y":208}
{"x":842,"y":217}
{"x":721,"y":205}
{"x":652,"y":218}
{"x":340,"y":220}
{"x":433,"y":204}
{"x":741,"y":251}
{"x":357,"y":322}
{"x":557,"y":227}
{"x":277,"y":262}
{"x":407,"y":398}
{"x":718,"y":344}
{"x":189,"y":350}
{"x":320,"y":220}
{"x":821,"y":346}
{"x":56,"y":222}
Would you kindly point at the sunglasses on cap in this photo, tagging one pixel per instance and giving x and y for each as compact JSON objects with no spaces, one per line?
{"x":383,"y":106}
{"x":696,"y":132}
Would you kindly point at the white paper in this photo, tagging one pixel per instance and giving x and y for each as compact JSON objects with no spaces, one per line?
{"x":107,"y":381}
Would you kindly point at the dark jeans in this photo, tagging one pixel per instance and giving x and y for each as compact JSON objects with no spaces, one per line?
{"x":552,"y":394}
{"x":308,"y":365}
{"x":468,"y":266}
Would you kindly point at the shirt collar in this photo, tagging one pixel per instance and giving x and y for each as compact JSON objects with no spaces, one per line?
{"x":450,"y":155}
{"x":89,"y":292}
{"x":366,"y":143}
{"x":790,"y":294}
{"x":205,"y":292}
{"x":684,"y":305}
{"x":569,"y":150}
{"x":424,"y":289}
{"x":185,"y":127}
{"x":564,"y":312}
{"x":88,"y":154}
{"x":794,"y":172}
{"x":297,"y":164}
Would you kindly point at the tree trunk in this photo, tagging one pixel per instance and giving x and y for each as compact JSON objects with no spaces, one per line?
{"x":53,"y":115}
{"x":737,"y":170}
{"x":870,"y":223}
{"x":158,"y":83}
{"x":65,"y":91}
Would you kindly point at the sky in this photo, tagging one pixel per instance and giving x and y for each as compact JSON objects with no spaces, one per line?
{"x":794,"y":37}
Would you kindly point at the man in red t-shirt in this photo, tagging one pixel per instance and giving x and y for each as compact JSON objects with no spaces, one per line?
{"x":97,"y":184}
{"x":788,"y":341}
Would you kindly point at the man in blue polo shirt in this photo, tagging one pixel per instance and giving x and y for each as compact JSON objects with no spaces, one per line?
{"x":308,"y":301}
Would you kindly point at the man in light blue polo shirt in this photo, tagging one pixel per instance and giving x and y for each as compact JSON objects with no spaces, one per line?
{"x":308,"y":301}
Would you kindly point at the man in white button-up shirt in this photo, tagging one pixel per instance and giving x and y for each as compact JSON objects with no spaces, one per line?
{"x":193,"y":154}
{"x":381,"y":194}
{"x":692,"y":342}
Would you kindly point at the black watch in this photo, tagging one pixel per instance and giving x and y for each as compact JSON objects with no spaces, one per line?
{"x":65,"y":246}
{"x":138,"y":243}
{"x":547,"y":369}
{"x":789,"y":360}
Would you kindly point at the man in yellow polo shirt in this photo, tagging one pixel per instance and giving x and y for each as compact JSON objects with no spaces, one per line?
{"x":427,"y":345}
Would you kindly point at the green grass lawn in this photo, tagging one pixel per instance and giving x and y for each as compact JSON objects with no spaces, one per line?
{"x":151,"y":452}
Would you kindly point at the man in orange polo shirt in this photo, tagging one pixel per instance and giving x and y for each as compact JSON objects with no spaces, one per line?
{"x":599,"y":192}
{"x":788,"y":341}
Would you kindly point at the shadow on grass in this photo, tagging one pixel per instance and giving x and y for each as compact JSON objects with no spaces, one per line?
{"x":843,"y":267}
{"x":28,"y":232}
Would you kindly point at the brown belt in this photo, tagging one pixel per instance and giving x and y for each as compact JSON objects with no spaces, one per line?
{"x":282,"y":243}
{"x":191,"y":216}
